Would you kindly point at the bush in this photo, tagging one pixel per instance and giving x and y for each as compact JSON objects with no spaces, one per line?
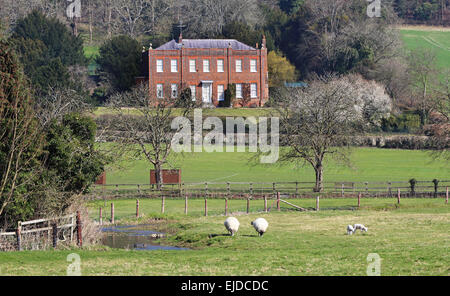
{"x":408,"y":123}
{"x":229,"y":96}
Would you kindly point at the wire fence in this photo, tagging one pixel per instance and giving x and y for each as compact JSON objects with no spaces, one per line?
{"x":260,"y":190}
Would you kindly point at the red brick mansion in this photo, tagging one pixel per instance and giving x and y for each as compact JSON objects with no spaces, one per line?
{"x":207,"y":67}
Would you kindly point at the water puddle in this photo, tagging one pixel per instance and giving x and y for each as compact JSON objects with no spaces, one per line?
{"x":134,"y":237}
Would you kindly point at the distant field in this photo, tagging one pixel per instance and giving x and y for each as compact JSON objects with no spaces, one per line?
{"x":437,"y":39}
{"x":219,"y":112}
{"x":368,"y":164}
{"x":91,"y":52}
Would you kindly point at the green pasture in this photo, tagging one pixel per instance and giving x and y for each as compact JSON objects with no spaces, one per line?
{"x":433,"y":40}
{"x":367,"y":165}
{"x":411,"y":239}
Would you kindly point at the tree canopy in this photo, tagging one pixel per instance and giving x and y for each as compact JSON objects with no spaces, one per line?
{"x":120,"y":61}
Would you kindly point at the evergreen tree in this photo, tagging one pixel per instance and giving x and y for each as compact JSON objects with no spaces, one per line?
{"x":120,"y":61}
{"x":47,"y":48}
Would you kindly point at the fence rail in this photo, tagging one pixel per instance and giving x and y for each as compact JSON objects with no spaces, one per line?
{"x":42,"y":233}
{"x":261,"y":189}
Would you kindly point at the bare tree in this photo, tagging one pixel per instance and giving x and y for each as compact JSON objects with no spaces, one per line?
{"x":423,"y":71}
{"x":318,"y":121}
{"x":146,"y":130}
{"x":208,"y":17}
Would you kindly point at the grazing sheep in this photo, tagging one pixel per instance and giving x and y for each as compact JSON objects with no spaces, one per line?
{"x":350,"y":230}
{"x":232,"y":225}
{"x":361,"y":227}
{"x":260,"y":225}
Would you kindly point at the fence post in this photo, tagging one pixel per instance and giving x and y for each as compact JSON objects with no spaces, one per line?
{"x":398,"y":195}
{"x":100,"y":216}
{"x":19,"y":236}
{"x":342,"y":190}
{"x":359,"y":199}
{"x":163,"y":204}
{"x":185,"y":203}
{"x":206,"y":189}
{"x":79,"y":230}
{"x":265,"y":203}
{"x":55,"y":234}
{"x":273,"y":187}
{"x":317,"y":203}
{"x":117,"y":189}
{"x":296,"y":188}
{"x":248,"y":205}
{"x":278,"y":200}
{"x":228,"y":189}
{"x":137,"y":208}
{"x":206,"y":207}
{"x":112,"y":213}
{"x":446,"y":196}
{"x":139,"y":188}
{"x":226,"y":206}
{"x":389,"y":189}
{"x":367,"y":187}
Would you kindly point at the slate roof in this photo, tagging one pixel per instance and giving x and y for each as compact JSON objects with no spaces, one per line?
{"x":206,"y":43}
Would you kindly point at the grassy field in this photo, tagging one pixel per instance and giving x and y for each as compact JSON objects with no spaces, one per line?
{"x":428,"y":38}
{"x":368,"y":164}
{"x":411,"y":239}
{"x":218,"y":112}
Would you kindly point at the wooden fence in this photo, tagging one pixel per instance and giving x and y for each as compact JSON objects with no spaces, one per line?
{"x":259,"y":190}
{"x":275,"y":204}
{"x":42,"y":233}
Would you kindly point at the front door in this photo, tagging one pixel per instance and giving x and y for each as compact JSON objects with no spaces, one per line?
{"x":207,"y":92}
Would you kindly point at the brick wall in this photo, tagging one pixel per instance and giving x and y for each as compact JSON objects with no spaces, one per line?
{"x":229,"y":75}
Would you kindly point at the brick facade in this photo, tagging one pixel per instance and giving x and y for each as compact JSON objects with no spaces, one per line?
{"x":253,"y":80}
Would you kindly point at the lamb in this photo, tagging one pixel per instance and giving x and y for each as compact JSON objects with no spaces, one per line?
{"x":350,"y":230}
{"x":232,"y":225}
{"x":260,"y":225}
{"x":361,"y":227}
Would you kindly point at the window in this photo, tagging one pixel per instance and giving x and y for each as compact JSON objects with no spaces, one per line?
{"x":253,"y":66}
{"x":193,"y":92}
{"x":174,"y":90}
{"x":159,"y":66}
{"x":219,"y":65}
{"x":239,"y":91}
{"x":238,"y":65}
{"x":173,"y":65}
{"x":205,"y":65}
{"x":220,"y":95}
{"x":253,"y":91}
{"x":192,"y":66}
{"x":159,"y":91}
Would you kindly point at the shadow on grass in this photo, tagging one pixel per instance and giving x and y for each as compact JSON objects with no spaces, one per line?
{"x":229,"y":235}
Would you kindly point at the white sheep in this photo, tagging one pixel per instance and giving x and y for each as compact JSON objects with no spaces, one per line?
{"x":260,"y":225}
{"x":360,"y":227}
{"x":350,"y":230}
{"x":232,"y":225}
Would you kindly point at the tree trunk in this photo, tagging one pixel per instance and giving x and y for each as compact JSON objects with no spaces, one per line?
{"x":319,"y":178}
{"x":158,"y":176}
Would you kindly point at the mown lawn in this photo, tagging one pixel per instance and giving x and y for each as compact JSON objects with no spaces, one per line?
{"x":411,"y":240}
{"x":367,"y":164}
